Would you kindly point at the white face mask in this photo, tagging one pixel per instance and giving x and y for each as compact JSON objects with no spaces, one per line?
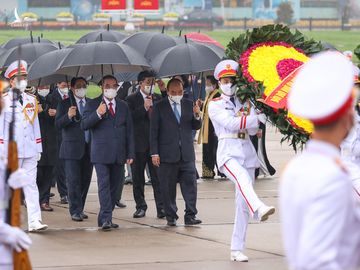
{"x":228,"y":89}
{"x":21,"y":85}
{"x":208,"y":89}
{"x":43,"y":92}
{"x":81,"y":92}
{"x":64,"y":90}
{"x":176,"y":99}
{"x":147,"y":89}
{"x":110,"y":93}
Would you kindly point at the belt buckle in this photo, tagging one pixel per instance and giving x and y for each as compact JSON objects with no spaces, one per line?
{"x":241,"y":135}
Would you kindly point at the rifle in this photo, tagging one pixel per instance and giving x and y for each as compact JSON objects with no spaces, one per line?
{"x":21,"y":259}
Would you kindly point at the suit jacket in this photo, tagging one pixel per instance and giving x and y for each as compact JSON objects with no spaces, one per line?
{"x":141,"y":120}
{"x":73,"y":137}
{"x":168,"y":139}
{"x":48,"y":133}
{"x":112,"y":138}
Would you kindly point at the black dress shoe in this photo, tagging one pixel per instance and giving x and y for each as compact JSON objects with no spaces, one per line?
{"x":114,"y":226}
{"x":161,"y":214}
{"x":171,"y":222}
{"x":106,"y":226}
{"x":64,"y":200}
{"x":119,"y":204}
{"x":51,"y":194}
{"x":84,"y":216}
{"x":148,"y":183}
{"x":192,"y":221}
{"x":76,"y":217}
{"x":139,"y":213}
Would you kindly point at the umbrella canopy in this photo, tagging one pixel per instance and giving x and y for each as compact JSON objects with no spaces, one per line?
{"x":102,"y":35}
{"x":12,"y":43}
{"x":202,"y":38}
{"x":101,"y":58}
{"x":187,"y":58}
{"x":43,"y":70}
{"x":150,"y":44}
{"x":121,"y":77}
{"x":29,"y":52}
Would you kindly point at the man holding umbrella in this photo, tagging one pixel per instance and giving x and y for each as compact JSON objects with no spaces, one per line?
{"x":141,"y":105}
{"x":75,"y":147}
{"x":112,"y":145}
{"x":27,"y":136}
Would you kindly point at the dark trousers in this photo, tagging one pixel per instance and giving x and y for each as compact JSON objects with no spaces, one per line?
{"x":138,"y":169}
{"x":109,"y":177}
{"x":60,"y":175}
{"x":121,"y":184}
{"x":78,"y":176}
{"x":43,"y":180}
{"x":184,"y":173}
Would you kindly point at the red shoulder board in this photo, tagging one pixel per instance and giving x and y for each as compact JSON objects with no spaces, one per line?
{"x":341,"y":165}
{"x":216,"y":99}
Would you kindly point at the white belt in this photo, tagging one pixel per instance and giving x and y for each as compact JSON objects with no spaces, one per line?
{"x":4,"y":205}
{"x":242,"y":136}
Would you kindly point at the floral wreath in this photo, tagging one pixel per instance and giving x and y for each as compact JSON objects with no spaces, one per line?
{"x":269,"y":58}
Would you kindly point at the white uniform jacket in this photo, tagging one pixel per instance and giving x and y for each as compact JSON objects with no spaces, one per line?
{"x":319,"y":211}
{"x":27,"y":129}
{"x":228,"y":120}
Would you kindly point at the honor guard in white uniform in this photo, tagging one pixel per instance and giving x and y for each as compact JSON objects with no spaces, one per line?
{"x":10,"y":237}
{"x":319,"y":210}
{"x":27,"y":136}
{"x":236,"y":156}
{"x":350,"y":153}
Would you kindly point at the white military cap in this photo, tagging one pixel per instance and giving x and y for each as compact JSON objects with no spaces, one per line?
{"x":12,"y":70}
{"x":348,"y":54}
{"x":226,"y":68}
{"x":322,"y":90}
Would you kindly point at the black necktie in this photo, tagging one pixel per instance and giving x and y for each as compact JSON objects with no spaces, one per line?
{"x":232,"y":99}
{"x":21,"y":99}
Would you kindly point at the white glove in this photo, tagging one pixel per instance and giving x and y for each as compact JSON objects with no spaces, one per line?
{"x":39,"y":157}
{"x":18,"y":179}
{"x":262,"y":118}
{"x":17,"y":239}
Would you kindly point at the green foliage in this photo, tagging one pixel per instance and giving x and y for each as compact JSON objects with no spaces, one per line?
{"x":254,"y":90}
{"x":285,"y":13}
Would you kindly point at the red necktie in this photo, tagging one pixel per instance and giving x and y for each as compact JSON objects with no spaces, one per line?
{"x":151,"y":108}
{"x":65,"y":97}
{"x":111,"y":109}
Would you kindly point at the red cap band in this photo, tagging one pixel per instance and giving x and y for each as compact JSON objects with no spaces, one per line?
{"x":336,"y":115}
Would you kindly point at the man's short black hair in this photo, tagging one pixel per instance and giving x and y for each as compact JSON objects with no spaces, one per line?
{"x":173,"y":81}
{"x":107,"y":77}
{"x":146,"y":74}
{"x":75,"y":79}
{"x":212,"y":79}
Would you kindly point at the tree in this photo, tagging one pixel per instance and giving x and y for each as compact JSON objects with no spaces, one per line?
{"x":285,"y":13}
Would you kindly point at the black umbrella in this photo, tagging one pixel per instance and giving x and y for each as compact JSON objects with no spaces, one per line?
{"x":101,"y":58}
{"x":43,"y":70}
{"x":13,"y":43}
{"x":150,"y":44}
{"x":29,"y":52}
{"x":121,"y":77}
{"x":102,"y":35}
{"x":187,"y":58}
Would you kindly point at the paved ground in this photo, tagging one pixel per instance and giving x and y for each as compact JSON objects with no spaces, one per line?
{"x":148,"y":244}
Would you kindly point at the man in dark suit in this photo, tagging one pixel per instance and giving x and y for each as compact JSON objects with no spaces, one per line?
{"x":75,"y":147}
{"x":49,"y":145}
{"x":141,"y":105}
{"x":172,"y":150}
{"x":60,"y":93}
{"x":109,"y":121}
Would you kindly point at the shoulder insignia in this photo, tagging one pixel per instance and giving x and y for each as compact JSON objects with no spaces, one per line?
{"x":217,"y":99}
{"x":341,"y":165}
